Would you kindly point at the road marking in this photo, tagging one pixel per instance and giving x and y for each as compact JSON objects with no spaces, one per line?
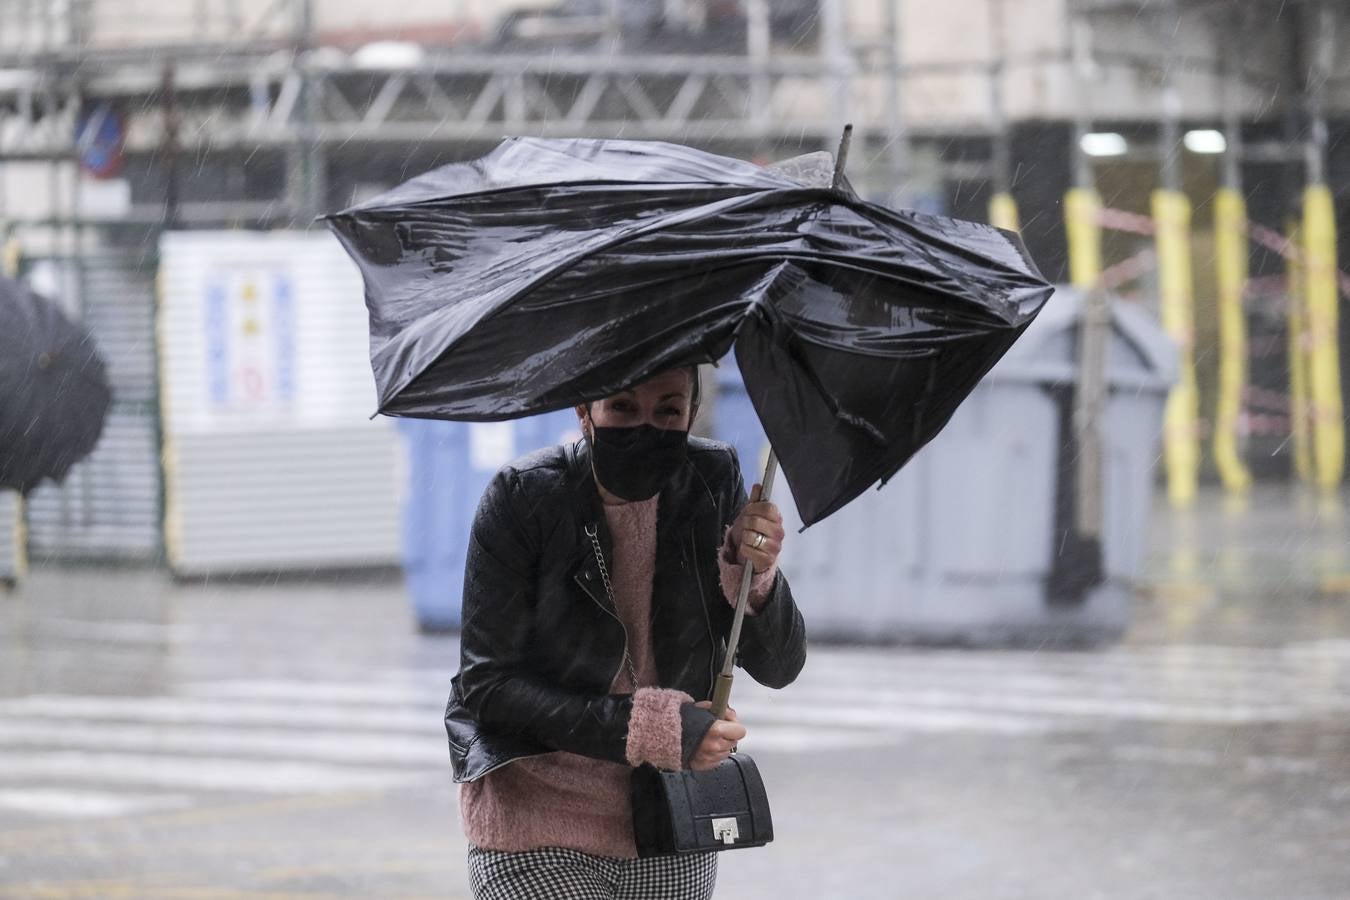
{"x":126,"y":631}
{"x":326,"y":746}
{"x":177,"y":709}
{"x":886,"y":701}
{"x":1194,"y":661}
{"x":1254,"y":691}
{"x":333,"y":691}
{"x":269,"y":808}
{"x":201,"y":773}
{"x":1235,"y":685}
{"x":1154,"y":754}
{"x":1103,"y":667}
{"x":349,"y":730}
{"x":802,"y":739}
{"x":882,"y":700}
{"x":79,"y":804}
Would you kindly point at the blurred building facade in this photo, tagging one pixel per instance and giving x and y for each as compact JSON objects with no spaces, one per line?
{"x":263,"y":112}
{"x":120,"y":119}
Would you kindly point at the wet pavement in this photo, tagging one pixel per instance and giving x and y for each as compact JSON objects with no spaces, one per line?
{"x":282,"y":739}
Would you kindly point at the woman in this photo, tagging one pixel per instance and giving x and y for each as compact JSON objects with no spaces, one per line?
{"x":562,"y":690}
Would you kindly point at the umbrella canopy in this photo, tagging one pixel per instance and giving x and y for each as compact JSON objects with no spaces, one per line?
{"x":553,"y":272}
{"x":54,"y":392}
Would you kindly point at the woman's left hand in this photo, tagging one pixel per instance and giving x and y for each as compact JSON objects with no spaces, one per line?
{"x":757,"y":534}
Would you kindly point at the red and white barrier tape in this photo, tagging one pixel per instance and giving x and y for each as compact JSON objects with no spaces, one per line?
{"x":1137,"y":223}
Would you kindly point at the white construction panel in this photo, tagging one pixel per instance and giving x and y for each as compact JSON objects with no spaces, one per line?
{"x":11,"y":538}
{"x":271,"y":461}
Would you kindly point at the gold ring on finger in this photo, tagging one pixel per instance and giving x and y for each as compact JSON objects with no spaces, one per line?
{"x":759,"y":540}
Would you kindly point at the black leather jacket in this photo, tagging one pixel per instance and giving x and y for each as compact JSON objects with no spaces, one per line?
{"x":540,"y":642}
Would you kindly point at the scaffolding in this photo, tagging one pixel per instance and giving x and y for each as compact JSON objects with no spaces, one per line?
{"x":242,"y":78}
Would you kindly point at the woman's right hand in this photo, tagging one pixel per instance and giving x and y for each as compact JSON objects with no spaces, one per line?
{"x":719,"y":740}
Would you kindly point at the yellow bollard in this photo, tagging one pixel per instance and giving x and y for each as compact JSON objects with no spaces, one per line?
{"x":10,"y":254}
{"x":1181,"y":443}
{"x":1082,"y":212}
{"x":1324,"y":369}
{"x":1003,"y":212}
{"x":1230,"y":246}
{"x":1299,"y":431}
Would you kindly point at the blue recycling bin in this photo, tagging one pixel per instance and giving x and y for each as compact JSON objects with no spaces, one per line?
{"x":449,"y":466}
{"x":735,"y":421}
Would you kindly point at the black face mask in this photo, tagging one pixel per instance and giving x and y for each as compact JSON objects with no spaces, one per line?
{"x":636,"y":462}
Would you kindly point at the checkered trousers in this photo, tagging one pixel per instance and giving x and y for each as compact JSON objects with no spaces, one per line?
{"x":556,"y":873}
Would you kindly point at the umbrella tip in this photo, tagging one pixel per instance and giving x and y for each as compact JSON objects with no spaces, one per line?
{"x":842,"y":156}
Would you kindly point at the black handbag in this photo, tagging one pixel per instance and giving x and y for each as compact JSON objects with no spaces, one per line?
{"x":723,"y":808}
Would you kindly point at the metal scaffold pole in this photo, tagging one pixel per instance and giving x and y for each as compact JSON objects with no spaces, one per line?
{"x":898,"y":193}
{"x":1300,"y":428}
{"x":1082,"y":210}
{"x":1002,"y":206}
{"x":1172,"y":220}
{"x":837,"y":59}
{"x":758,"y":48}
{"x":1082,"y":205}
{"x":306,"y":170}
{"x":1319,"y":246}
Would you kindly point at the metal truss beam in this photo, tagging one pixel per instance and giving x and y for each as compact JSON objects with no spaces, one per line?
{"x":244,"y":102}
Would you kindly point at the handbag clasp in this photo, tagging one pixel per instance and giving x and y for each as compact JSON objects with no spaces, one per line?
{"x":725,"y":830}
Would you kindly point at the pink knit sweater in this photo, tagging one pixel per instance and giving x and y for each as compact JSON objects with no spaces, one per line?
{"x":566,"y":800}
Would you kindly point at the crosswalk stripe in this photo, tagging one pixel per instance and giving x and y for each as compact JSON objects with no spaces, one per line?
{"x":1015,"y":694}
{"x":798,"y":739}
{"x":233,"y":728}
{"x":777,"y":738}
{"x":1246,"y":693}
{"x":327,"y":746}
{"x":890,"y":718}
{"x":183,"y":710}
{"x":1251,"y":690}
{"x":1249,"y":671}
{"x":798,"y":706}
{"x":1099,"y":669}
{"x":200,"y":773}
{"x":127,"y":631}
{"x":84,"y":804}
{"x":331,"y":691}
{"x":1193,"y":662}
{"x":884,"y":701}
{"x":865,"y":700}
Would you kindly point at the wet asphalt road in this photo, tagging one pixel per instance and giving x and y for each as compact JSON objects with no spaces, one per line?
{"x":282,"y":739}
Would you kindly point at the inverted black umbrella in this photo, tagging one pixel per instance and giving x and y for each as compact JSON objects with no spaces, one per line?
{"x":554,"y":272}
{"x":54,"y":391}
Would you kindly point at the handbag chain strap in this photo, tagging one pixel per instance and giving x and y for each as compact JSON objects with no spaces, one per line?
{"x":592,"y":533}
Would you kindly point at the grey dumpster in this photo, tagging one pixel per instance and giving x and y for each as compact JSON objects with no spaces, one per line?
{"x":966,"y":542}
